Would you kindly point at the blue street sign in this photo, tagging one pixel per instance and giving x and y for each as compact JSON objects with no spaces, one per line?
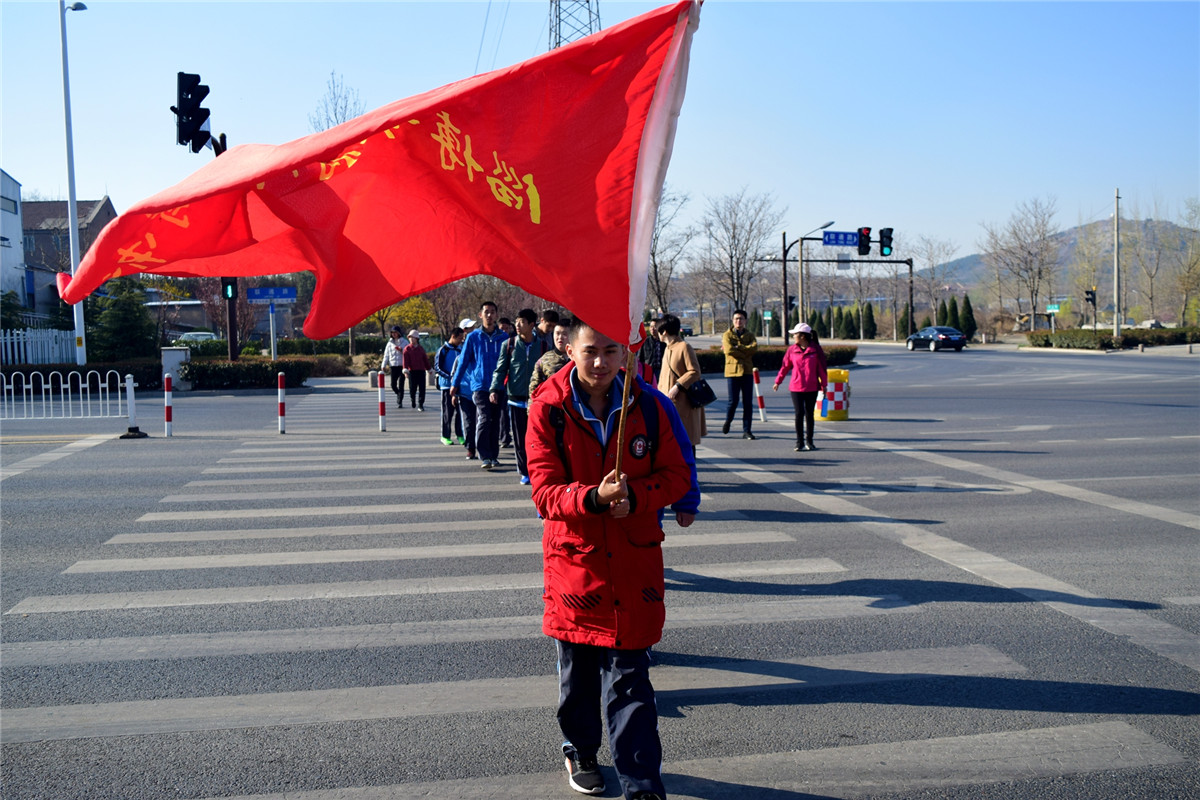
{"x":840,"y":239}
{"x":268,"y":294}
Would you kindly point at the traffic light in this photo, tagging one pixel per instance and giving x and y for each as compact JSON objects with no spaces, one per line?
{"x":229,"y":288}
{"x":1090,"y":294}
{"x":864,"y":241}
{"x":191,"y":121}
{"x":885,"y":241}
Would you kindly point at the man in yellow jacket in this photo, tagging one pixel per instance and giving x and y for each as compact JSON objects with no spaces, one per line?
{"x":740,"y":346}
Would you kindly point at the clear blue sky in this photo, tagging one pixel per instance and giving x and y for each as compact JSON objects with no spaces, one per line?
{"x":928,"y":117}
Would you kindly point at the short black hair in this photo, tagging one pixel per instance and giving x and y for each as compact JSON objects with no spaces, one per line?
{"x":487,"y":303}
{"x":528,"y":314}
{"x":550,"y":315}
{"x":455,"y":331}
{"x":741,"y":311}
{"x":505,"y":321}
{"x":577,"y":325}
{"x":669,"y":324}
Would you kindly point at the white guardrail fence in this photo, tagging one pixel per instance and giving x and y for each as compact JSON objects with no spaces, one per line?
{"x":58,"y":396}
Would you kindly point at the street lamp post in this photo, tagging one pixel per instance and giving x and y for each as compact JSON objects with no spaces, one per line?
{"x":72,"y":213}
{"x":802,"y":305}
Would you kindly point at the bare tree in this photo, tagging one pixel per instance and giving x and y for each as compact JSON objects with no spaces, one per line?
{"x":739,"y":228}
{"x":1148,"y":253}
{"x":1091,"y":257}
{"x":668,"y":245}
{"x":933,"y":254}
{"x":1187,"y":261}
{"x":338,"y":105}
{"x":1024,"y":249}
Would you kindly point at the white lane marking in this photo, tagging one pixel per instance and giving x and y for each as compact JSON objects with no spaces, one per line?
{"x":709,"y":519}
{"x":415,"y":634}
{"x":1194,"y":600}
{"x":468,"y":550}
{"x":849,"y":772}
{"x":509,"y":487}
{"x":335,"y":511}
{"x":1134,"y":507}
{"x":1141,"y":629}
{"x":168,"y":715}
{"x":40,"y":460}
{"x":168,"y":598}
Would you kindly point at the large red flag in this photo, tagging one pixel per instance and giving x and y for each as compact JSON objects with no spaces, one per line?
{"x":546,"y":174}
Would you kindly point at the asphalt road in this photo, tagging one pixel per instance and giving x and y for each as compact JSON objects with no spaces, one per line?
{"x":985,"y":584}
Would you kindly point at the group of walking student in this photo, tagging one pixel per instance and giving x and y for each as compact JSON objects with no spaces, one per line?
{"x":561,"y":384}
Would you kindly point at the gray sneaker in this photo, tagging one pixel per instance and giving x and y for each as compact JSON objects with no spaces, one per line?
{"x":584,"y":775}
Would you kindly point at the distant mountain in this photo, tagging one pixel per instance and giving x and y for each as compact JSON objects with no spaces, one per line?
{"x":969,"y":273}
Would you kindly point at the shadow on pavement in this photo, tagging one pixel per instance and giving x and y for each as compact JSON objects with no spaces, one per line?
{"x":886,"y":590}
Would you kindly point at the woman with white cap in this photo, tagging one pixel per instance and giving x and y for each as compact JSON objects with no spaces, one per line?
{"x":416,"y":367}
{"x":805,"y":359}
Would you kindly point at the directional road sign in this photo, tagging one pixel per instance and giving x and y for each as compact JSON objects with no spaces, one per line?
{"x":840,"y":239}
{"x":271,"y":294}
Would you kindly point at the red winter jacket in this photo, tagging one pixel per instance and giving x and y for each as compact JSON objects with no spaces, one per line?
{"x":603,"y":575}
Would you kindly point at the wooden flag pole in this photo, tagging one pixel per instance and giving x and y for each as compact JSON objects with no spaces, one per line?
{"x":629,"y":379}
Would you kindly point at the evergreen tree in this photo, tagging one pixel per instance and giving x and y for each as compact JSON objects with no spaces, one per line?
{"x":839,"y":324}
{"x":10,"y":312}
{"x":966,"y":319}
{"x":850,"y":324}
{"x":942,"y":313}
{"x":817,"y":323}
{"x":902,"y":325}
{"x":952,"y":313}
{"x":124,"y":328}
{"x":776,"y":330}
{"x":755,"y":323}
{"x":868,"y":322}
{"x":926,"y":322}
{"x":829,"y":329}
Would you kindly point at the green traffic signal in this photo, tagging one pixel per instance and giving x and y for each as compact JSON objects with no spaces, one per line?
{"x":885,"y":241}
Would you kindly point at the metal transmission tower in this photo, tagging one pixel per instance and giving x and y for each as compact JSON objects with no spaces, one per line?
{"x":572,"y":19}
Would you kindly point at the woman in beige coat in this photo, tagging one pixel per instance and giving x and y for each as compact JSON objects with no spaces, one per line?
{"x":680,"y":369}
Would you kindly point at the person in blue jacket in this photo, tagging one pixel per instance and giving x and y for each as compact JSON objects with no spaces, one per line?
{"x":443,"y":366}
{"x":474,"y":368}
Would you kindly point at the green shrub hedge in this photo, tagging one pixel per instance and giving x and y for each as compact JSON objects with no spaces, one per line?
{"x":770,"y":359}
{"x":246,"y":373}
{"x":338,"y":346}
{"x":1086,"y":339}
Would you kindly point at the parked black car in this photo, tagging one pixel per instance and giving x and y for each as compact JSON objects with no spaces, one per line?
{"x":937,"y":337}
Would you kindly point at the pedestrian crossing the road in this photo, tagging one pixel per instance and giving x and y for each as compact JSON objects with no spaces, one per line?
{"x":330,"y":586}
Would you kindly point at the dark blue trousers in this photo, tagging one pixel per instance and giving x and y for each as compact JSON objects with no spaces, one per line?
{"x":518,"y":422}
{"x":466,"y":409}
{"x":487,"y":426}
{"x":619,"y":680}
{"x":741,"y":387}
{"x":451,"y":422}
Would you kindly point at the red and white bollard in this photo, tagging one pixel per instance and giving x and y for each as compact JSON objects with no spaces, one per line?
{"x":382,"y":405}
{"x":762,"y":403}
{"x":282,"y":402}
{"x":167,"y":404}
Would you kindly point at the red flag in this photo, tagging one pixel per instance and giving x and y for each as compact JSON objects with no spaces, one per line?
{"x":546,"y":175}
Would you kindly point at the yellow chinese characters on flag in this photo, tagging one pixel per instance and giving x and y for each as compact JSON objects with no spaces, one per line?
{"x":545,"y":174}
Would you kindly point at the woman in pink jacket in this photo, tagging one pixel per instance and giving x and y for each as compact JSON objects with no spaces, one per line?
{"x":806,"y":361}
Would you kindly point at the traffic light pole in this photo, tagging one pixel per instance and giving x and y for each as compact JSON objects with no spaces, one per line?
{"x":907,"y":261}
